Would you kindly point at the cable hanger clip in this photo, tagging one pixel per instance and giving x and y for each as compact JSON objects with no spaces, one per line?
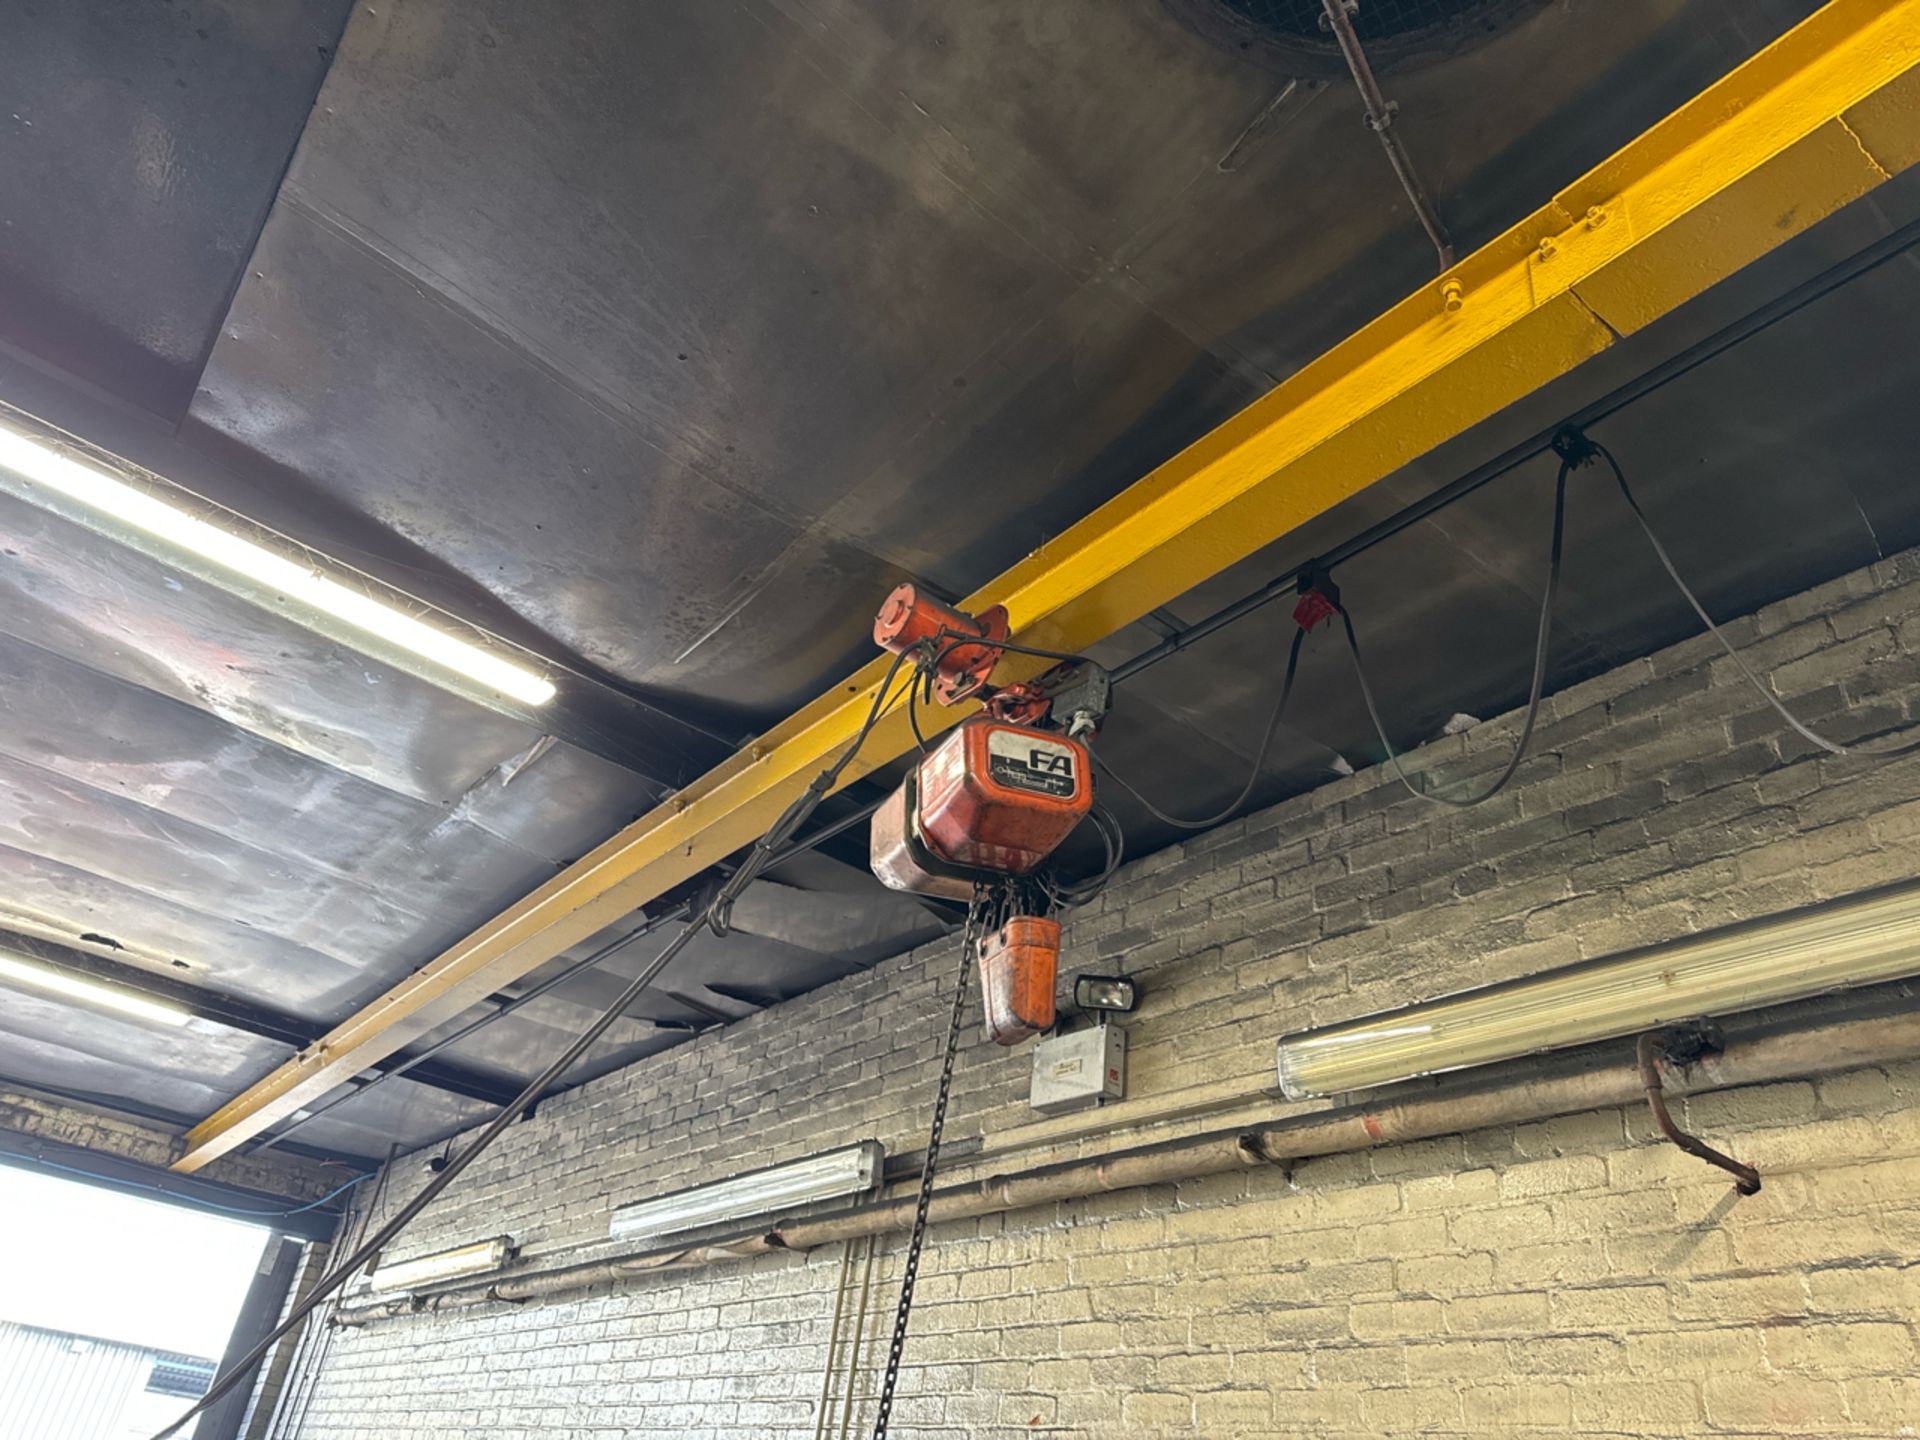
{"x":1573,"y":447}
{"x":1319,"y":596}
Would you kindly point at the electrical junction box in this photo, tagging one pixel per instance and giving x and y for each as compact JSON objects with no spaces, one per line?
{"x":1079,"y":1070}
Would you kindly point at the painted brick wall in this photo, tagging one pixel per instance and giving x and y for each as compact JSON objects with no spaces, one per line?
{"x":126,"y":1138}
{"x":1562,"y":1277}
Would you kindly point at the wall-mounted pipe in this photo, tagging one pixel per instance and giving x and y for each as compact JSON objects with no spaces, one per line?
{"x":1650,"y":1052}
{"x":1823,"y":1049}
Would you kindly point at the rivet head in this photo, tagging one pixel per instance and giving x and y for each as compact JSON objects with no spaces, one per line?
{"x":1596,"y":217}
{"x":1453,"y":295}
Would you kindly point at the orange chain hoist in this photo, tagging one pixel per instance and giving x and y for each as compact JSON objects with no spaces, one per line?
{"x":986,"y":808}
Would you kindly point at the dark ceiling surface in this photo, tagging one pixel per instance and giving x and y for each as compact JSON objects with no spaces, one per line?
{"x":664,"y":339}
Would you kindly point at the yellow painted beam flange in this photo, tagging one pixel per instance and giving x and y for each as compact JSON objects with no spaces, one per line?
{"x":1815,"y":120}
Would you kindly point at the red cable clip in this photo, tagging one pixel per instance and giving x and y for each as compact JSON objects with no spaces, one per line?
{"x":1312,"y":609}
{"x":1319,"y":598}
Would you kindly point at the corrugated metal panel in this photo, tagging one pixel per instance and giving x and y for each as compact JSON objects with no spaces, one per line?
{"x":62,"y":1387}
{"x":59,"y":1386}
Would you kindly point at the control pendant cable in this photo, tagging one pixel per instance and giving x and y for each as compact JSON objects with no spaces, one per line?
{"x":1574,"y":450}
{"x":796,"y":815}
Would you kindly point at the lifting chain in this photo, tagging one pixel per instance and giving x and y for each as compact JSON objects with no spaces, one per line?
{"x":969,"y":944}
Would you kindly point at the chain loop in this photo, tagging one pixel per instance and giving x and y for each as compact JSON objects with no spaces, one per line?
{"x":969,"y":945}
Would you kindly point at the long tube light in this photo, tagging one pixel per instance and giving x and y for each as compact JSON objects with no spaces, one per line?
{"x":1770,"y":962}
{"x":474,"y":1259}
{"x":93,"y":488}
{"x":21,"y":971}
{"x":827,"y":1176}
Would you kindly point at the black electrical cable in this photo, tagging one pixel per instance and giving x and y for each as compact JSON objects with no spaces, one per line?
{"x":719,"y":914}
{"x":1259,"y":757}
{"x":1543,"y":639}
{"x":794,"y":816}
{"x":920,"y":677}
{"x":473,"y":1027}
{"x":1760,"y":687}
{"x":1864,"y":262}
{"x":1113,"y":841}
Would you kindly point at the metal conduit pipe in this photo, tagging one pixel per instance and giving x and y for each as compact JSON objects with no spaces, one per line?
{"x":1822,"y":1049}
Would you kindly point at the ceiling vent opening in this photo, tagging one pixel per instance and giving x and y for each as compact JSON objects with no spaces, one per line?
{"x":1398,"y":34}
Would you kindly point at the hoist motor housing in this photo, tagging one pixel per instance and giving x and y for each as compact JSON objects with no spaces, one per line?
{"x":991,"y":799}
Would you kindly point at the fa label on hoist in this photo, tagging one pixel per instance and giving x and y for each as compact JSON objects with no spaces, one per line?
{"x":1021,"y":760}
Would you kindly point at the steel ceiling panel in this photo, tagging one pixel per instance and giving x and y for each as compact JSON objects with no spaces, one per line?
{"x":62,"y":902}
{"x":84,"y":828}
{"x":140,"y":147}
{"x":70,"y":591}
{"x":865,"y":320}
{"x":473,"y":449}
{"x":186,"y":764}
{"x":51,"y":1042}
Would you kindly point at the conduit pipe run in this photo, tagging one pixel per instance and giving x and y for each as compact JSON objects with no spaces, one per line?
{"x":1840,"y":1045}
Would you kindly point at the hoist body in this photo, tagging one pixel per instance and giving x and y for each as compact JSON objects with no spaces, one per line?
{"x":987,"y":807}
{"x":992,"y":799}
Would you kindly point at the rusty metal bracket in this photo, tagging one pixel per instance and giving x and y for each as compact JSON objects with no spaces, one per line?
{"x":1651,"y":1050}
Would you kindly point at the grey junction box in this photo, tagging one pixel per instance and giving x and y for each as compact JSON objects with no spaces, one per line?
{"x":1079,"y":1070}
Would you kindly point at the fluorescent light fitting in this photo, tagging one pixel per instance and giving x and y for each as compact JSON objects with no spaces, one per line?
{"x":827,"y":1176}
{"x":88,"y":485}
{"x":1770,"y":962}
{"x":474,"y":1259}
{"x":22,"y":971}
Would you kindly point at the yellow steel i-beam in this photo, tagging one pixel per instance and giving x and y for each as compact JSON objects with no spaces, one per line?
{"x":1815,"y":120}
